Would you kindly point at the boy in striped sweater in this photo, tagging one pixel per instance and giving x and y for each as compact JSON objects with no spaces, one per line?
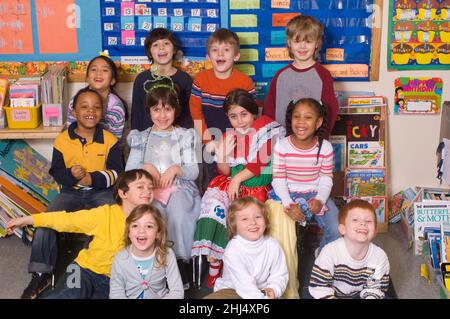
{"x":208,"y":93}
{"x":352,"y":266}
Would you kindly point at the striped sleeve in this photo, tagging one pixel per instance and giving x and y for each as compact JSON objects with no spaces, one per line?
{"x":114,"y":166}
{"x":377,"y":285}
{"x":321,"y":280}
{"x":326,"y":172}
{"x":279,"y":178}
{"x":195,"y":106}
{"x":114,"y":118}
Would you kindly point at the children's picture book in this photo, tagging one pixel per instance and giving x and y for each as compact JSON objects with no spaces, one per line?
{"x":365,"y":154}
{"x":339,"y":143}
{"x":342,"y":96}
{"x":358,"y":127}
{"x":418,"y":95}
{"x":365,"y":104}
{"x":23,"y":164}
{"x":399,"y":202}
{"x":365,"y":182}
{"x":428,"y":214}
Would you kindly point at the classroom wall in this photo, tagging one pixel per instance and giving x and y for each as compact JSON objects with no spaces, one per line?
{"x":412,"y":139}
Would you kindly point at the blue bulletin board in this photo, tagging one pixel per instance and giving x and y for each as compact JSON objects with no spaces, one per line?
{"x":260,"y":25}
{"x":120,"y":26}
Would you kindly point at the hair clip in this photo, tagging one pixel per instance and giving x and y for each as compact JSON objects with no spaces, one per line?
{"x":104,"y":53}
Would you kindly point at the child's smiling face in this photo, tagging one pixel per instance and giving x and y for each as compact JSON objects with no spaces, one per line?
{"x":143,"y":234}
{"x":88,"y":111}
{"x":100,"y":75}
{"x":222,"y":56}
{"x":359,"y":226}
{"x":162,"y":51}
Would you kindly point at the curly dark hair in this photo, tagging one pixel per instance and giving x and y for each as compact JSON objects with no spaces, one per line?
{"x":322,"y":112}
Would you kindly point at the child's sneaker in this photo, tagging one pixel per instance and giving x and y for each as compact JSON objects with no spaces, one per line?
{"x":37,"y":285}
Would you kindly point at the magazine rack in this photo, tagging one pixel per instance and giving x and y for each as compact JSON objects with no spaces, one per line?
{"x":360,"y":146}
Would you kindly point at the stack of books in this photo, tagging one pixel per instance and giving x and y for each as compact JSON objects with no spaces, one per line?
{"x":54,"y":95}
{"x":26,"y":187}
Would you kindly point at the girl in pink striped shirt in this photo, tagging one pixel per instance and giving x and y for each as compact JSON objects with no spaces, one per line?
{"x":302,"y":182}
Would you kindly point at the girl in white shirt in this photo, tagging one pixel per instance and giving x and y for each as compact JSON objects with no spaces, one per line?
{"x":254,"y":264}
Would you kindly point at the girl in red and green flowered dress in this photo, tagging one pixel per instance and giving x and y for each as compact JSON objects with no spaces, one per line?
{"x":243,"y":158}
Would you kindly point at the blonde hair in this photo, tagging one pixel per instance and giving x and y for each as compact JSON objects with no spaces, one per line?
{"x":161,"y":243}
{"x":303,"y":27}
{"x":223,"y":36}
{"x":356,"y":203}
{"x":238,"y":205}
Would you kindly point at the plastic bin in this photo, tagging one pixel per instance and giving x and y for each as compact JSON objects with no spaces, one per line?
{"x":23,"y":117}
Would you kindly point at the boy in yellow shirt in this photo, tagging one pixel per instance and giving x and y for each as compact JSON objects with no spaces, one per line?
{"x":107,"y":226}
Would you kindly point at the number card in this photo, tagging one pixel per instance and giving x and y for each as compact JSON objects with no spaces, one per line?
{"x":177,"y":24}
{"x":195,"y":24}
{"x":145,"y":23}
{"x":128,"y":38}
{"x":126,"y":9}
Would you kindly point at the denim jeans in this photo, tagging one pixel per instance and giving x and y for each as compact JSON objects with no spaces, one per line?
{"x":328,"y":222}
{"x":89,"y":285}
{"x":44,"y":249}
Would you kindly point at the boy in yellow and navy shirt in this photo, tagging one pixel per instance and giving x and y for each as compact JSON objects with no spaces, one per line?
{"x":86,"y":162}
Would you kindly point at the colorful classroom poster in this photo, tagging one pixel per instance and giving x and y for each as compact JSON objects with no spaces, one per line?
{"x":57,"y":30}
{"x":15,"y":27}
{"x":419,"y":33}
{"x":365,"y":154}
{"x":418,"y":95}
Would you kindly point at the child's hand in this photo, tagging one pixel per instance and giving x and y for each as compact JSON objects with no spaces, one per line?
{"x":78,"y":171}
{"x":294,"y":212}
{"x":233,"y":189}
{"x":18,"y":222}
{"x":269,"y":293}
{"x":86,"y":180}
{"x":315,"y":206}
{"x":169,"y":175}
{"x":154,"y":172}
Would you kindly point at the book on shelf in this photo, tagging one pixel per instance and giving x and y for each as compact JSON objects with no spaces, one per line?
{"x":339,"y":143}
{"x":428,"y":215}
{"x":359,"y":127}
{"x":365,"y":154}
{"x":399,"y":202}
{"x":365,"y":182}
{"x":20,"y":196}
{"x":9,"y":211}
{"x":26,"y":166}
{"x":445,"y":253}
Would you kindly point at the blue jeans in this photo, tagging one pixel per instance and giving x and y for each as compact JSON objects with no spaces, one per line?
{"x":328,"y":222}
{"x":44,"y":249}
{"x":89,"y":285}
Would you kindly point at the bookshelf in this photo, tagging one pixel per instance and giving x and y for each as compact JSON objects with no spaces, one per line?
{"x":433,"y":275}
{"x":41,"y":132}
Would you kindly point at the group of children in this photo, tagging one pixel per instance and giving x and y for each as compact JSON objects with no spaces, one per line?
{"x":201,"y":179}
